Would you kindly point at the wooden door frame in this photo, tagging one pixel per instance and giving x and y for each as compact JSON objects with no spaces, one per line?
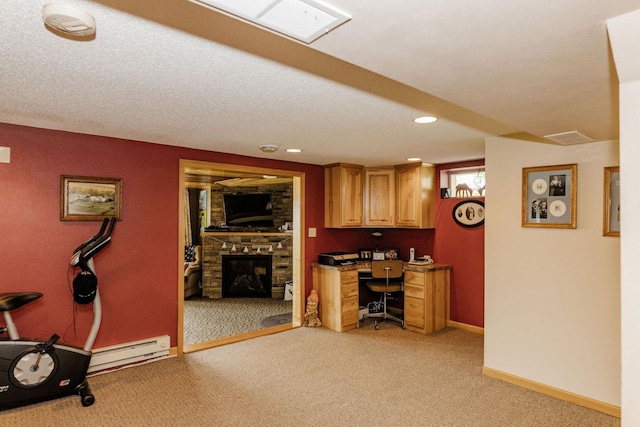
{"x":298,"y":250}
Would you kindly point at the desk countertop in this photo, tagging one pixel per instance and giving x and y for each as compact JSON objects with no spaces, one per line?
{"x":366,"y":266}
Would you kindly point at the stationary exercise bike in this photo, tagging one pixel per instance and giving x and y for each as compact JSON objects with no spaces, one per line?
{"x":35,"y":370}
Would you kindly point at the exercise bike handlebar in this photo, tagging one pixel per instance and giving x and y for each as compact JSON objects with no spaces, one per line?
{"x":91,"y":247}
{"x":105,"y":222}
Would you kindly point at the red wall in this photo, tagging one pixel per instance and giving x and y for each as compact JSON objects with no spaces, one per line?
{"x":464,"y":249}
{"x":449,"y":243}
{"x":137,"y":272}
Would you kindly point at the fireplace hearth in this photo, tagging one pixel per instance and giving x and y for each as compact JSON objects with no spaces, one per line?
{"x":246,"y":276}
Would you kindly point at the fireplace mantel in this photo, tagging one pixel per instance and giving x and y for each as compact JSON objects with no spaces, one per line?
{"x":257,"y":233}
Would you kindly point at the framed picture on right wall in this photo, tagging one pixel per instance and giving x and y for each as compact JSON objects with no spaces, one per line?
{"x":611,"y":205}
{"x":549,"y":196}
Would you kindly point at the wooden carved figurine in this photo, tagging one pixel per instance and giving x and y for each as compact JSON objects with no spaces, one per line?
{"x":311,"y":315}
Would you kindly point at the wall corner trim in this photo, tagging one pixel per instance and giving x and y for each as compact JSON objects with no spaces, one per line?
{"x":465,"y":327}
{"x":577,"y":399}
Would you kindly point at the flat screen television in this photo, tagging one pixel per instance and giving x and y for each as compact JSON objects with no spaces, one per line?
{"x":248,"y":210}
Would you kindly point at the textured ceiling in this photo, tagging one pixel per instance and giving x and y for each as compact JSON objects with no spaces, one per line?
{"x":172,"y":72}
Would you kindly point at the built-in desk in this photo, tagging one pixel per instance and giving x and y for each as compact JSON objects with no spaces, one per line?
{"x":426,"y":295}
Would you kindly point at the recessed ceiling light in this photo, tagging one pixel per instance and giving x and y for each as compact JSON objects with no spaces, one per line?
{"x":293,"y":150}
{"x":413,"y":159}
{"x":425,"y":119}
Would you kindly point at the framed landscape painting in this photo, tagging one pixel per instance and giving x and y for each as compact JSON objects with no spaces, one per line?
{"x":85,"y":198}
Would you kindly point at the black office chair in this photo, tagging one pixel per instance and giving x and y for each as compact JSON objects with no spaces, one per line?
{"x":388,"y":269}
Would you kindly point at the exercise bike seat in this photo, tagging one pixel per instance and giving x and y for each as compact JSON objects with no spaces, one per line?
{"x":12,"y":300}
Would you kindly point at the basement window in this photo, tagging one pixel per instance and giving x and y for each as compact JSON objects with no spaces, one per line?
{"x":463,"y":182}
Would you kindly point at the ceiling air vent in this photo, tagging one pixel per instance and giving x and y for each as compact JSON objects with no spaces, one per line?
{"x":569,"y":138}
{"x":302,"y":20}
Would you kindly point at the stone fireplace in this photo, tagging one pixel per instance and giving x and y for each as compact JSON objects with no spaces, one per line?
{"x":246,"y":276}
{"x":218,"y":245}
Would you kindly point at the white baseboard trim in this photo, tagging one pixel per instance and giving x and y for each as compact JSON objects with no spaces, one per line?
{"x":587,"y":402}
{"x":132,"y":353}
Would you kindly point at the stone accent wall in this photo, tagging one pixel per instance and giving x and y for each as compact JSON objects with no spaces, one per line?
{"x":281,"y":202}
{"x":212,"y":252}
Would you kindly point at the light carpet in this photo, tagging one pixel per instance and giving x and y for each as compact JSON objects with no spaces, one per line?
{"x":316,"y":377}
{"x":207,"y":319}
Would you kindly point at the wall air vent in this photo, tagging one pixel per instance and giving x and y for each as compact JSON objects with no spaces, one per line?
{"x":302,"y":20}
{"x":569,"y":138}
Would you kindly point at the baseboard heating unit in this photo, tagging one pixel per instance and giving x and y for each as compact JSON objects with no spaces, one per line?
{"x":122,"y":355}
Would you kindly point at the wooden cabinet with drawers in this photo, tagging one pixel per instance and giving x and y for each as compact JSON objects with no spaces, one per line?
{"x":338,"y":294}
{"x":426,"y":298}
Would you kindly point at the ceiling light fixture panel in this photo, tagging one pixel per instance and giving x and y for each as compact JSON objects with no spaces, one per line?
{"x":304,"y":20}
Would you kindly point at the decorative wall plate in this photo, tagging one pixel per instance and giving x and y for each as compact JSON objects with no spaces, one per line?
{"x":539,"y":186}
{"x":469,"y":213}
{"x":557,"y":208}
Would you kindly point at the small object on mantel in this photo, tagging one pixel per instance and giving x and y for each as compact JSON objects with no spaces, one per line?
{"x":311,"y":314}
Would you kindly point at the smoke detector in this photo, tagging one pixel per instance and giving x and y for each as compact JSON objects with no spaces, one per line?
{"x":68,"y":20}
{"x":269,"y":148}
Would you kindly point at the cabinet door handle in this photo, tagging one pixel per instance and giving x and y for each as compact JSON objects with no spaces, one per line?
{"x":413,"y":305}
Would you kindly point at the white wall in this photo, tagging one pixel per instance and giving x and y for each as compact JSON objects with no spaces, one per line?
{"x":624,"y":36}
{"x":630,"y":236}
{"x":552,"y":296}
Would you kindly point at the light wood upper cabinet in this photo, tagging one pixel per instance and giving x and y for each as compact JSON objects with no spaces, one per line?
{"x":343,"y":186}
{"x":400,"y":196}
{"x":379,"y":197}
{"x":415,"y":196}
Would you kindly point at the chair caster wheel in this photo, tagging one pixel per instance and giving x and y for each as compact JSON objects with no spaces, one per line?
{"x":376,"y":326}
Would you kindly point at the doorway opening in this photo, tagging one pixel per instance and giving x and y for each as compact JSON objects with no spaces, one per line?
{"x":201,"y":175}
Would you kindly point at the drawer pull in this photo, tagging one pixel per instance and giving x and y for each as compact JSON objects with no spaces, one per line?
{"x":413,"y":305}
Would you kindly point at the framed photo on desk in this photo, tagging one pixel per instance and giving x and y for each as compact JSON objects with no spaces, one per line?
{"x":365,"y":254}
{"x":392,"y":253}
